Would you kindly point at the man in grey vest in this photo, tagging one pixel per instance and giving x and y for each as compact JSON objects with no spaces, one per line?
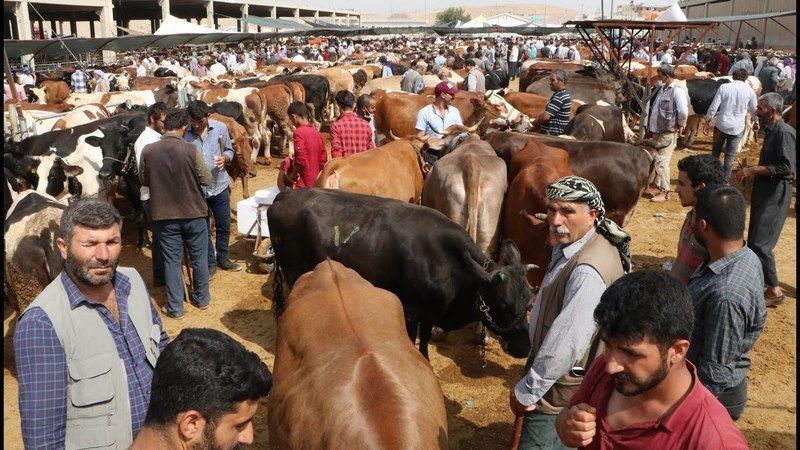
{"x":86,"y":347}
{"x":476,"y":82}
{"x":412,"y":80}
{"x":591,"y":252}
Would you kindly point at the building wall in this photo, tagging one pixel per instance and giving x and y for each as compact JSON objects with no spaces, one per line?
{"x":777,"y":37}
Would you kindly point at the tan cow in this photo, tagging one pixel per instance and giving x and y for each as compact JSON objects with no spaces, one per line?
{"x":346,"y":374}
{"x":241,"y":166}
{"x":51,"y":92}
{"x":253,"y":108}
{"x":278,"y":97}
{"x":534,"y":104}
{"x":340,"y":80}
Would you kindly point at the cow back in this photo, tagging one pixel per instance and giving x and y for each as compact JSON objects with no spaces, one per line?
{"x":333,"y":311}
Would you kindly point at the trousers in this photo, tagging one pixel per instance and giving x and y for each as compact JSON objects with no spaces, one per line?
{"x":220,"y":207}
{"x":769,"y":204}
{"x":734,"y":399}
{"x":172,"y":234}
{"x":667,"y":141}
{"x":730,"y":142}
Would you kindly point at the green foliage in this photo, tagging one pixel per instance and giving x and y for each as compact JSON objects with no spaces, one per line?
{"x":452,"y":15}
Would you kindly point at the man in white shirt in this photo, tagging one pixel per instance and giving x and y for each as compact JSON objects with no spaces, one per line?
{"x":730,"y":106}
{"x":552,"y":47}
{"x":668,"y":58}
{"x":141,"y":69}
{"x":561,"y":51}
{"x":434,"y":119}
{"x":641,"y":54}
{"x":513,"y":61}
{"x":156,"y":114}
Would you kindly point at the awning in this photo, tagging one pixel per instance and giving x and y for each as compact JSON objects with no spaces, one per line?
{"x":271,"y":23}
{"x":725,"y":19}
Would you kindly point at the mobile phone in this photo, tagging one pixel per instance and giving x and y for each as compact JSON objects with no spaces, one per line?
{"x":577,"y":372}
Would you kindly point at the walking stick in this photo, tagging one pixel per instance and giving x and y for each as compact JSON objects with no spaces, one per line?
{"x":517,"y":432}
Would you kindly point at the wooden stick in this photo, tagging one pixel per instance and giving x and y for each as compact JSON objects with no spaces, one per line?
{"x":517,"y":432}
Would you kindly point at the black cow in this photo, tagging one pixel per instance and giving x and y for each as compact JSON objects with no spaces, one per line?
{"x":597,"y":123}
{"x":701,"y":94}
{"x":497,"y":79}
{"x":233,"y":110}
{"x":317,"y":89}
{"x":164,"y":72}
{"x":433,"y":266}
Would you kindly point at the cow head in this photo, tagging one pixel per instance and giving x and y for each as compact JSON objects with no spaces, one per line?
{"x":116,"y":143}
{"x":37,"y":95}
{"x":123,"y":81}
{"x":508,"y":117}
{"x":21,"y":168}
{"x":503,"y":297}
{"x":167,"y":94}
{"x":62,"y":177}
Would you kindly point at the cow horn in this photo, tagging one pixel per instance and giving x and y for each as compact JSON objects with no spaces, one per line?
{"x":531,"y":267}
{"x":475,"y":127}
{"x":540,"y":216}
{"x":392,"y":136}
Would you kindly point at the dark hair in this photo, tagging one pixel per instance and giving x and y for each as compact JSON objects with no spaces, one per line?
{"x":198,"y":109}
{"x":739,"y":74}
{"x":470,"y":62}
{"x":723,"y":208}
{"x":345,"y":99}
{"x":298,"y":109}
{"x":207,"y":371}
{"x":645,"y":304}
{"x":666,"y":70}
{"x":702,"y":169}
{"x":157,"y":109}
{"x":363,"y":100}
{"x":175,"y":119}
{"x":88,"y":212}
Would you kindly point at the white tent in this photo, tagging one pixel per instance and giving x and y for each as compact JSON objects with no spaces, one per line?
{"x":507,"y":20}
{"x":174,"y":25}
{"x":478,"y":22}
{"x":672,"y":14}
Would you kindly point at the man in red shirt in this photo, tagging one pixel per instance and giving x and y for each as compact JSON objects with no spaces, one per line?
{"x":723,"y":63}
{"x":350,"y":134}
{"x":642,"y":392}
{"x":310,"y":155}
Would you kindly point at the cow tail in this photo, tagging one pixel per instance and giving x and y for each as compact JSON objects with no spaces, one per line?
{"x":312,"y":114}
{"x":473,"y":188}
{"x":278,"y":300}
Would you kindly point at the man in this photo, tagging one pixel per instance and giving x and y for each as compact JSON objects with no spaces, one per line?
{"x":730,"y":105}
{"x":695,"y":172}
{"x":441,"y":59}
{"x":642,"y":392}
{"x":17,"y":88}
{"x":744,"y":62}
{"x":101,"y":83}
{"x":194,"y":407}
{"x":641,"y":54}
{"x":434,"y":119}
{"x":668,"y":57}
{"x":573,"y":54}
{"x":562,"y":50}
{"x":513,"y":61}
{"x":772,"y":190}
{"x":591,"y":252}
{"x":215,"y":143}
{"x":173,"y":170}
{"x":723,"y":63}
{"x":769,"y":76}
{"x":728,"y":297}
{"x":349,"y":134}
{"x":545,"y":51}
{"x":412,"y":80}
{"x":200,"y":70}
{"x":555,"y":117}
{"x":156,"y":115}
{"x":552,"y":48}
{"x":668,"y":115}
{"x":476,"y":82}
{"x":386,"y":68}
{"x":86,"y":347}
{"x":365,"y":109}
{"x":79,"y":80}
{"x":141,"y":68}
{"x":690,"y":57}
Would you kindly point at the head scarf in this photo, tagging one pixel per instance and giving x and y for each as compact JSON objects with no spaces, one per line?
{"x":789,"y":62}
{"x":581,"y":190}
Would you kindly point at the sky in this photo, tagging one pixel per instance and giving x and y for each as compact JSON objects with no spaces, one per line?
{"x":387,"y":7}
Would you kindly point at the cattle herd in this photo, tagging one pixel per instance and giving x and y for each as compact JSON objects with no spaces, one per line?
{"x":458,"y":243}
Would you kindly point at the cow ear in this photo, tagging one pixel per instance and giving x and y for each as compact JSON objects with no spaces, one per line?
{"x":72,"y":171}
{"x":94,"y":141}
{"x":508,"y":254}
{"x":475,"y":101}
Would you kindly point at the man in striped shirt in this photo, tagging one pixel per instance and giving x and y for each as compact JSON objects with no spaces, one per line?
{"x":79,"y":80}
{"x":556,"y":115}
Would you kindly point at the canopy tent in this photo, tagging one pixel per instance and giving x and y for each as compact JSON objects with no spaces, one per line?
{"x":276,"y":24}
{"x":477,"y":22}
{"x":672,"y":14}
{"x":319,"y":23}
{"x":173,"y":25}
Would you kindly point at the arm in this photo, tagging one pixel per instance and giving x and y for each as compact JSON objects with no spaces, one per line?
{"x":336,"y":141}
{"x":712,"y":110}
{"x":157,"y":321}
{"x":227,"y":146}
{"x":144,"y":175}
{"x":784,"y":165}
{"x":471,"y":82}
{"x":682,"y":108}
{"x":42,"y":375}
{"x":549,"y":111}
{"x":300,"y":154}
{"x":569,"y":337}
{"x":421,"y":124}
{"x":200,"y":168}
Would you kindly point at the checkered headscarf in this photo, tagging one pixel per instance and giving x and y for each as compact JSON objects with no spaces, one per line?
{"x":577,"y":189}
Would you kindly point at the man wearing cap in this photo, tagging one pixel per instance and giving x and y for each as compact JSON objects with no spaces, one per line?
{"x":433,"y":119}
{"x":25,"y":78}
{"x":590,"y":253}
{"x":412,"y":80}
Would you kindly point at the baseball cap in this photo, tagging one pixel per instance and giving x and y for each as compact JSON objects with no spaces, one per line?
{"x":445,"y":87}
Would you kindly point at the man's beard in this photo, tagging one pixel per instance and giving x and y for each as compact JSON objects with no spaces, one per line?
{"x":81,"y":270}
{"x":208,"y":440}
{"x":641,"y":386}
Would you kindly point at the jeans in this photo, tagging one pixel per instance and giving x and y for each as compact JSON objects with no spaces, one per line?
{"x":220,"y":206}
{"x":173,"y":234}
{"x":158,"y":260}
{"x":539,"y":432}
{"x":513,"y":69}
{"x":731,"y":143}
{"x":734,"y":399}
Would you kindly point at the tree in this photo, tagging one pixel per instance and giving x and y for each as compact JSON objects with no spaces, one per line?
{"x":452,"y":15}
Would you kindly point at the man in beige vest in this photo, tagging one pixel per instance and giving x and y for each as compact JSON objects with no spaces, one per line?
{"x":590,"y":252}
{"x":86,"y":347}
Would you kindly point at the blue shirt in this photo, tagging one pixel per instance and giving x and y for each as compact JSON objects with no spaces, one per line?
{"x":42,"y":366}
{"x":429,"y":121}
{"x":211,"y":147}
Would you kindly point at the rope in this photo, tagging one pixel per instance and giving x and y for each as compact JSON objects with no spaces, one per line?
{"x":52,"y":32}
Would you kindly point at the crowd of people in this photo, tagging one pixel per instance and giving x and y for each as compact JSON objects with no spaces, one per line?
{"x":619,"y":358}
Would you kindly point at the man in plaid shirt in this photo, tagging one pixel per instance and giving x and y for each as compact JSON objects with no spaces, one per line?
{"x":350,"y":134}
{"x":79,"y":79}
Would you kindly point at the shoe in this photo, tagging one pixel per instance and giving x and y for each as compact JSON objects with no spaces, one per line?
{"x":651,"y":192}
{"x":212,"y":270}
{"x":201,"y":308}
{"x":775,"y":301}
{"x":660,"y":198}
{"x":229,"y":265}
{"x":170,"y":315}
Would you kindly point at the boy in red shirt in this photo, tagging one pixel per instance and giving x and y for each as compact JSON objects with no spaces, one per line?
{"x":642,"y":393}
{"x":350,"y":134}
{"x":310,"y":155}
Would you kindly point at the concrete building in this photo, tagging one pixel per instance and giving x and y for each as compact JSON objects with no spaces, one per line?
{"x":782,"y":34}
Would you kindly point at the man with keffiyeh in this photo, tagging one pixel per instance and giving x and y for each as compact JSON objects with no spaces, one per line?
{"x":590,"y":252}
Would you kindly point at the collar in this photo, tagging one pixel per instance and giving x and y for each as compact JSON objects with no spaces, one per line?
{"x":346,"y":114}
{"x":770,"y":128}
{"x":122,"y":288}
{"x":570,"y":250}
{"x":691,"y":402}
{"x":719,"y":265}
{"x":170,"y":134}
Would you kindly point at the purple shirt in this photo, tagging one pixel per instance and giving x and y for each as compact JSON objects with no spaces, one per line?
{"x":42,"y":366}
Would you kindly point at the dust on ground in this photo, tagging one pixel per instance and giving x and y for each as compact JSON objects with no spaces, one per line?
{"x":476,"y":397}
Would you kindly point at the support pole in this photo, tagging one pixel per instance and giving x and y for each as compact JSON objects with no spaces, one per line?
{"x":297,"y":14}
{"x":164,"y":4}
{"x":91,"y":28}
{"x":273,"y":12}
{"x":210,"y":14}
{"x":23,"y":26}
{"x":106,"y":14}
{"x":245,"y":12}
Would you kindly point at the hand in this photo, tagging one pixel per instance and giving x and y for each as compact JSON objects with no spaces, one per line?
{"x":682,"y":131}
{"x":756,"y":126}
{"x":738,"y":175}
{"x":707,"y":128}
{"x":220,"y":162}
{"x":518,"y":408}
{"x":580,"y":426}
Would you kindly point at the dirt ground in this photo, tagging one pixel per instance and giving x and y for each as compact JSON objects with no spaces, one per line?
{"x":477,"y":398}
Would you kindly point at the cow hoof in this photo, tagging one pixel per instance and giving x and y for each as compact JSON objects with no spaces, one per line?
{"x":251,"y":174}
{"x":438,"y":334}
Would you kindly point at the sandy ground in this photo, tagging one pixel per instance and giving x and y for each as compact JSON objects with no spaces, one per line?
{"x":477,"y":398}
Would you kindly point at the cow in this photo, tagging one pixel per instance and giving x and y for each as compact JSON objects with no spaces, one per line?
{"x":534,"y":167}
{"x":254,"y":107}
{"x":468,"y":186}
{"x":586,"y":86}
{"x":428,"y":261}
{"x":146,"y":98}
{"x":80,"y":115}
{"x":393,"y":83}
{"x":599,"y":123}
{"x":393,"y":170}
{"x":241,"y":166}
{"x":278,"y":98}
{"x":119,"y":82}
{"x":333,"y":309}
{"x":230,"y":109}
{"x":32,"y":259}
{"x":164,"y":72}
{"x":317,"y":89}
{"x":340,"y":80}
{"x":619,"y":171}
{"x":149,"y":83}
{"x":360,"y":78}
{"x":51,"y":92}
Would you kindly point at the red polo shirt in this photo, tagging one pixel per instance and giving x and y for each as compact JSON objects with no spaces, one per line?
{"x":349,"y":135}
{"x":309,"y":154}
{"x":699,"y":421}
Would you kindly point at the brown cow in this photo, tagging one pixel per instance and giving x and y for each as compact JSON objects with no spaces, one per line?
{"x":393,"y":170}
{"x":253,"y":109}
{"x":531,"y":170}
{"x":682,"y":72}
{"x":148,"y":83}
{"x":51,"y":92}
{"x":278,"y":97}
{"x":534,"y":104}
{"x":377,"y":392}
{"x":242,"y":165}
